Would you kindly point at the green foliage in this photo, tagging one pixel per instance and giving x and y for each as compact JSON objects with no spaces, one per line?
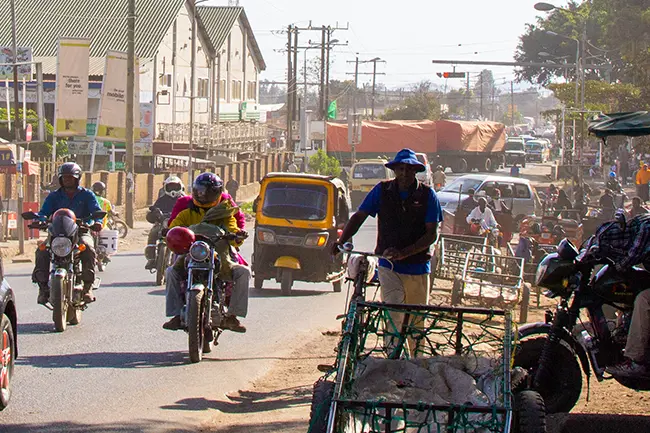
{"x":321,"y":163}
{"x":246,"y":208}
{"x":423,"y":104}
{"x":601,"y":96}
{"x":39,"y":150}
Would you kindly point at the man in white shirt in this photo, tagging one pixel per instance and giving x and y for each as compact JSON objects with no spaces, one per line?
{"x":483,"y":214}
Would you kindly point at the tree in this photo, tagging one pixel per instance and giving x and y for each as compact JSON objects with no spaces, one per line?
{"x":423,"y":103}
{"x":39,"y":150}
{"x":321,"y":163}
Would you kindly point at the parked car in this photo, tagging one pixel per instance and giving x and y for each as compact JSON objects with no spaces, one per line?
{"x":523,"y":201}
{"x":8,"y":341}
{"x":538,"y":151}
{"x":515,"y":151}
{"x":365,"y":175}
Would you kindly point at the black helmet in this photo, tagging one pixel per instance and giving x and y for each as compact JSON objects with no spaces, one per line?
{"x":99,"y":188}
{"x":207,"y":188}
{"x":70,"y":168}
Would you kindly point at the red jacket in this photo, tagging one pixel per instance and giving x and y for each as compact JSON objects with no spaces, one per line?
{"x":183,"y":202}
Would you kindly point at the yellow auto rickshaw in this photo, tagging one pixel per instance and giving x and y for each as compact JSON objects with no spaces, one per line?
{"x":297,"y":219}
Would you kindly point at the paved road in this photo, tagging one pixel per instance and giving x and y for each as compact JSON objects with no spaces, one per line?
{"x":120,"y":371}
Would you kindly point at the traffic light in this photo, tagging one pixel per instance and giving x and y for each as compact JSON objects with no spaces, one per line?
{"x":453,"y":74}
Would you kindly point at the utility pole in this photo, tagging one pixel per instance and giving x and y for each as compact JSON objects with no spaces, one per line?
{"x":190,"y":171}
{"x":289,"y":89}
{"x":512,"y":103}
{"x":374,"y":74}
{"x":467,"y":113}
{"x":480,"y":92}
{"x":356,"y":86}
{"x":327,"y":77}
{"x":295,"y":74}
{"x":323,"y":107}
{"x":130,"y":89}
{"x":19,"y":172}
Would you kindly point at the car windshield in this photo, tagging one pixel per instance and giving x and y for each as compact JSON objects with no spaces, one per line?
{"x":295,"y":201}
{"x":533,"y":146}
{"x":369,"y":171}
{"x":463,"y":185}
{"x":514,"y":145}
{"x":420,"y":158}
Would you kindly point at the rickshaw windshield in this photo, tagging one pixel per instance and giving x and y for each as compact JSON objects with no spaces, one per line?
{"x":295,"y":201}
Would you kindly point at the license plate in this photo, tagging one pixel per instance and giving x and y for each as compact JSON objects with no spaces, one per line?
{"x":546,"y":236}
{"x":366,"y":188}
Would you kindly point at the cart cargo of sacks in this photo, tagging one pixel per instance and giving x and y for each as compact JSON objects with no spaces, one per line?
{"x":422,"y":368}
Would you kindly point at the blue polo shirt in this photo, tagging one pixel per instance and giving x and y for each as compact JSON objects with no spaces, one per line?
{"x":83,"y":203}
{"x":371,"y":205}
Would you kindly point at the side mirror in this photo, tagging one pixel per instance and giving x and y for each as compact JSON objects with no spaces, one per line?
{"x":30,"y":215}
{"x":99,"y":215}
{"x":347,"y":247}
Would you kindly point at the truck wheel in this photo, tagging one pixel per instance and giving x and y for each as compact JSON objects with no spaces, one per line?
{"x":460,"y":166}
{"x":488,"y":165}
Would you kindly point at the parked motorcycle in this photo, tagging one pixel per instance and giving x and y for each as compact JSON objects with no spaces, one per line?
{"x":117,"y":223}
{"x":64,"y":245}
{"x":206,"y":295}
{"x":164,"y":255}
{"x":554,"y":351}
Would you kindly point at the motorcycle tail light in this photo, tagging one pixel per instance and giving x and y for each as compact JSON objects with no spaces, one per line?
{"x":199,"y":251}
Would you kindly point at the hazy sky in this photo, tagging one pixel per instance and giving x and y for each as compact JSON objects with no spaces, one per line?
{"x":407,"y":34}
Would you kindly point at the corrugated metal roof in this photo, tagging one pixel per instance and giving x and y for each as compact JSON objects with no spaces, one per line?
{"x":218,"y":22}
{"x":41,"y":22}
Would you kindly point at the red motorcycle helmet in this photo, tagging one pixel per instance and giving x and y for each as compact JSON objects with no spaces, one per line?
{"x":180,"y":239}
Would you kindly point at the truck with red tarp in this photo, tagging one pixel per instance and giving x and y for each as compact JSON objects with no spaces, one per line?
{"x":459,"y":145}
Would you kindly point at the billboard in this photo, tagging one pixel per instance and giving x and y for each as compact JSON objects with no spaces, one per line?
{"x":7,"y":56}
{"x":71,"y":107}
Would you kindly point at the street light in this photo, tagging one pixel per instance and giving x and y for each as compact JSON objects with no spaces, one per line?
{"x":544,"y":7}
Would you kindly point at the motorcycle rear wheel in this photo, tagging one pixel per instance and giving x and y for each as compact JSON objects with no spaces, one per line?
{"x":161,"y":264}
{"x":121,"y":227}
{"x":195,"y":326}
{"x":59,"y":301}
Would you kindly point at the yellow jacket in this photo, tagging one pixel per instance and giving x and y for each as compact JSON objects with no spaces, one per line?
{"x":642,"y":177}
{"x":189,"y":217}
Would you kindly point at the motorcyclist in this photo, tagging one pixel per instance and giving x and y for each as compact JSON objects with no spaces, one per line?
{"x":627,"y":245}
{"x":173,"y":188}
{"x":208,"y":208}
{"x":483,"y":215}
{"x":606,"y":202}
{"x":99,"y":188}
{"x":439,"y":178}
{"x":613,"y":184}
{"x":84,"y":204}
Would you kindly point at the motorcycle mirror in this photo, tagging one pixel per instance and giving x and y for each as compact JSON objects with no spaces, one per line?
{"x":99,"y":215}
{"x":30,"y":215}
{"x":347,"y":247}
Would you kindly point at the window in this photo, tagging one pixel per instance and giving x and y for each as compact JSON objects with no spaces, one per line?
{"x":165,"y":80}
{"x":522,"y":191}
{"x":222,"y":89}
{"x":251,"y":91}
{"x":203,"y":88}
{"x":369,"y":171}
{"x":294,"y":201}
{"x":236,"y":90}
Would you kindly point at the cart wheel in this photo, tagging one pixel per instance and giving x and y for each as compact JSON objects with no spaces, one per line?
{"x":321,"y":400}
{"x":529,"y":413}
{"x":457,"y":291}
{"x":525,"y":301}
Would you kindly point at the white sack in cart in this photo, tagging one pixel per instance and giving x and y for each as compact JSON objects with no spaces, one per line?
{"x":353,"y":266}
{"x":438,"y":380}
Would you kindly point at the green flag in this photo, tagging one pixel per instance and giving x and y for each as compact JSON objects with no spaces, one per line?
{"x":331,"y":110}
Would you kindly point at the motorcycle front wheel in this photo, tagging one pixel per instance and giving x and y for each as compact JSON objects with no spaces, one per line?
{"x":59,"y":300}
{"x":195,"y":325}
{"x":162,"y":259}
{"x":121,"y":227}
{"x":563,"y":392}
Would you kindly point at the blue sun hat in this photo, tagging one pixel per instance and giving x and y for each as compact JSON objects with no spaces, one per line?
{"x":406,"y":156}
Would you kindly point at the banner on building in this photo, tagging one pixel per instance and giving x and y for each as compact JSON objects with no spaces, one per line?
{"x":71,"y":106}
{"x":111,"y":124}
{"x":7,"y":60}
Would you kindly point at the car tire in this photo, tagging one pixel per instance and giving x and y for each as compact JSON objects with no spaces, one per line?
{"x":8,"y":355}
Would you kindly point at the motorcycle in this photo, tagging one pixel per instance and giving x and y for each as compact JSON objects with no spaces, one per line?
{"x":554,"y":351}
{"x":206,"y":295}
{"x":164,"y":256}
{"x":102,"y":258}
{"x":64,"y":245}
{"x":478,"y":228}
{"x":116,"y":223}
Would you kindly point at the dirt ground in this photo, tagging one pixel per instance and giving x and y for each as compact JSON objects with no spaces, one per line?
{"x":280,"y":401}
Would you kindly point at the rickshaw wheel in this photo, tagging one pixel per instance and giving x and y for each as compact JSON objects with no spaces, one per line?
{"x":286,"y":282}
{"x":529,"y":413}
{"x":457,"y":291}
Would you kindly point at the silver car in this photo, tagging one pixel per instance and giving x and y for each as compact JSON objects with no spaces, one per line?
{"x":524,"y":200}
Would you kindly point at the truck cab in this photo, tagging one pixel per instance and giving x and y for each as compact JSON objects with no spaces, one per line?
{"x":426,"y":177}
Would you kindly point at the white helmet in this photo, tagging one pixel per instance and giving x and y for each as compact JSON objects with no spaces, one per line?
{"x":174,"y":187}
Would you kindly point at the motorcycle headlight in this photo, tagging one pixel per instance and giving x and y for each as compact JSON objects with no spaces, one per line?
{"x":316,"y":240}
{"x":199,"y":251}
{"x":61,"y":246}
